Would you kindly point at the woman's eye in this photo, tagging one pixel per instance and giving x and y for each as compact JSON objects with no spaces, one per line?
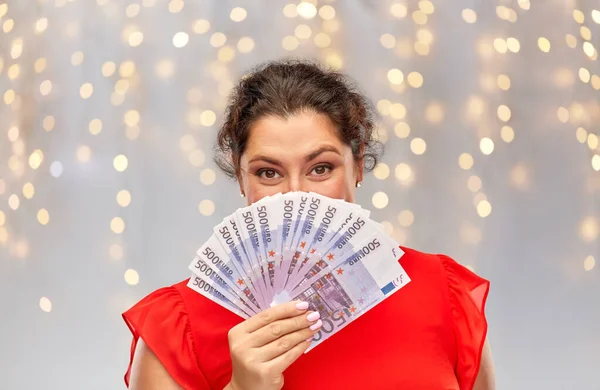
{"x":321,"y":170}
{"x":268,"y":174}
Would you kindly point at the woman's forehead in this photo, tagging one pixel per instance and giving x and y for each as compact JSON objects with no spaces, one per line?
{"x":294,"y":133}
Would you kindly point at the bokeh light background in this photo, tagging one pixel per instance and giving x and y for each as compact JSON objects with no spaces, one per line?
{"x":109,"y":110}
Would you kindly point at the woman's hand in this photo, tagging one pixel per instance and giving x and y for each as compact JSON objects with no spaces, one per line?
{"x":263,"y":346}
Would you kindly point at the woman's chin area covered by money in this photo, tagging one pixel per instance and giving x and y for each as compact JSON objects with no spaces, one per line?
{"x":301,"y":285}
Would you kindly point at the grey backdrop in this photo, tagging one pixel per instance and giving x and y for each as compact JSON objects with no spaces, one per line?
{"x":538,"y":246}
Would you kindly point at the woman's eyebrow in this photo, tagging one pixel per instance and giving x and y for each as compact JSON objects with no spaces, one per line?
{"x":311,"y":156}
{"x":322,"y":149}
{"x":269,"y":160}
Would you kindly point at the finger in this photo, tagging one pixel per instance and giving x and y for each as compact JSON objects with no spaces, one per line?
{"x":284,"y":344}
{"x":280,"y":328}
{"x":279,"y":312}
{"x":281,"y":362}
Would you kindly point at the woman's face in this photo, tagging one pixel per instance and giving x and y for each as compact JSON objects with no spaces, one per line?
{"x":301,"y":153}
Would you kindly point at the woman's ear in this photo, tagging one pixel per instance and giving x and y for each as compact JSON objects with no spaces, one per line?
{"x":241,"y":184}
{"x":360,"y":165}
{"x":238,"y":174}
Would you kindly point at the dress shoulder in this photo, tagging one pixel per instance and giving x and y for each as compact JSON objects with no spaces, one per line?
{"x":468,"y":294}
{"x":161,"y":320}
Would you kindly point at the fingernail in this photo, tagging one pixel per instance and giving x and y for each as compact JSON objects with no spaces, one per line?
{"x":313,"y":316}
{"x":317,"y":325}
{"x":302,"y":305}
{"x":310,"y":338}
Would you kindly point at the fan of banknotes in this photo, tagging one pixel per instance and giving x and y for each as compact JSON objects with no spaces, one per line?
{"x":299,"y":246}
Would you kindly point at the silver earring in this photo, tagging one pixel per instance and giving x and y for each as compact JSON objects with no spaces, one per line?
{"x":358,"y":184}
{"x":242,"y":195}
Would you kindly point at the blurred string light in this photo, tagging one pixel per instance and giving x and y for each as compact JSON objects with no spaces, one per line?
{"x":180,"y":39}
{"x":596,"y":16}
{"x":132,"y":277}
{"x":469,"y":15}
{"x":506,"y":13}
{"x":544,"y":44}
{"x":406,"y":218}
{"x":132,"y":10}
{"x":117,"y":225}
{"x":43,"y":216}
{"x":207,"y":176}
{"x":45,"y":304}
{"x":116,"y":252}
{"x":123,"y":198}
{"x":589,"y":263}
{"x":381,"y":171}
{"x":206,"y":207}
{"x":176,"y":6}
{"x":380,"y":200}
{"x":306,"y":9}
{"x":201,"y":26}
{"x":238,"y":14}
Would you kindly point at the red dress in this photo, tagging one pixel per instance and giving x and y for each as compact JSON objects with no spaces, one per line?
{"x":427,"y":336}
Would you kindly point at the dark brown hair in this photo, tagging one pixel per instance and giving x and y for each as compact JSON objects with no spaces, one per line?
{"x":287,"y":87}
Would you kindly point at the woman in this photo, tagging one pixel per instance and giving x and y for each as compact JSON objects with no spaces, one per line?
{"x":293,"y":126}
